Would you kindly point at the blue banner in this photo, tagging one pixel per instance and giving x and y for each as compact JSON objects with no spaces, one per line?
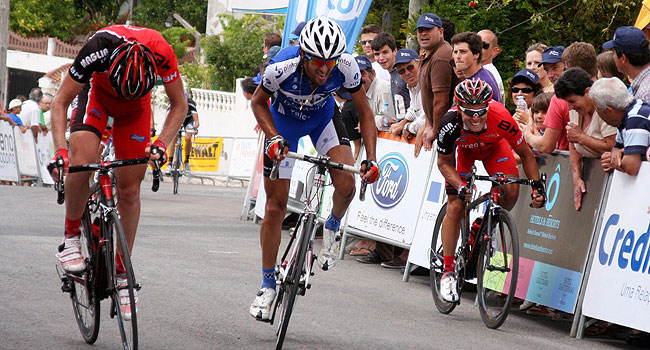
{"x":349,"y":14}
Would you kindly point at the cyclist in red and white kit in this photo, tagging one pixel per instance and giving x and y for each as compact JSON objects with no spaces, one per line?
{"x":481,"y":129}
{"x":113,"y":74}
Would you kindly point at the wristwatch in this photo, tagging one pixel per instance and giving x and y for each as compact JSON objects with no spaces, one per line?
{"x":405,"y":128}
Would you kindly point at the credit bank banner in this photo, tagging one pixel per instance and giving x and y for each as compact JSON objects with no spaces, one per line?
{"x":8,"y":170}
{"x":392,"y":204}
{"x":349,"y":14}
{"x":618,"y":289}
{"x":554,"y":240}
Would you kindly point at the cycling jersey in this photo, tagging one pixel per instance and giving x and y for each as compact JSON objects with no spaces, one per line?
{"x":98,"y":100}
{"x":300,"y":109}
{"x":493,"y":145}
{"x":191,"y":109}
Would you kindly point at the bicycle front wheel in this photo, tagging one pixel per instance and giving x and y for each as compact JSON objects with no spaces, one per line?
{"x":177,"y":165}
{"x":128,"y":327}
{"x":84,"y":296}
{"x":289,"y":287}
{"x":436,"y":265}
{"x":498,"y":269}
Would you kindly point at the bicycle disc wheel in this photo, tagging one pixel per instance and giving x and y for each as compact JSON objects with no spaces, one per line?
{"x":436,"y":265}
{"x":85,"y":300}
{"x":128,"y":328}
{"x":497,"y":270}
{"x":289,"y":288}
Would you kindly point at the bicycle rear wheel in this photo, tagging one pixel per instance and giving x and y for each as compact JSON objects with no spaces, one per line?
{"x":84,"y":294}
{"x":436,"y":265}
{"x":176,"y":168}
{"x":498,"y":269}
{"x":128,"y":328}
{"x":289,"y":288}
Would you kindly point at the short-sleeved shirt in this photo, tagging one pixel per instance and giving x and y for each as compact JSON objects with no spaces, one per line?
{"x":641,"y":85}
{"x":487,"y":77}
{"x":436,"y":75}
{"x":633,"y":133}
{"x":16,"y":119}
{"x":490,"y":67}
{"x":597,"y":128}
{"x":92,"y":61}
{"x":398,"y":88}
{"x":557,"y":117}
{"x":31,"y":113}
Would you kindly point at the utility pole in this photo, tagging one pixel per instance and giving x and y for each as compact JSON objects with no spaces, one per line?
{"x":4,"y":43}
{"x":197,"y":36}
{"x":415,"y":9}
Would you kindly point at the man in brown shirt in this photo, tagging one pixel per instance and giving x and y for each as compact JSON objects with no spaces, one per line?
{"x":436,"y":77}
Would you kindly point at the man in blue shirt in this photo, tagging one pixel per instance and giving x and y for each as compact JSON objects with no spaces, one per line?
{"x":631,"y":116}
{"x":302,"y":79}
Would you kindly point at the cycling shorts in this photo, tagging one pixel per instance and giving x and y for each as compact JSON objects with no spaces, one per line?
{"x":497,"y":159}
{"x":131,"y":120}
{"x":325,"y":133}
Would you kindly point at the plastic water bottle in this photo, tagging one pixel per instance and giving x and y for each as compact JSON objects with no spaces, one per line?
{"x":383,"y":111}
{"x":521,"y":103}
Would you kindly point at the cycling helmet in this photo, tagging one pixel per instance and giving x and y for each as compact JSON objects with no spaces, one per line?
{"x":322,"y":38}
{"x":133,"y":70}
{"x":473,"y":92}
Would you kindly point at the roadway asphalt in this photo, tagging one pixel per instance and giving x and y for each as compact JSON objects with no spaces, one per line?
{"x":199,"y":265}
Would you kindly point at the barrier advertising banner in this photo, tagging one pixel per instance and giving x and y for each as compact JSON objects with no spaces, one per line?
{"x":26,"y":152}
{"x":242,"y":157}
{"x":554,"y":240}
{"x":205,"y":153}
{"x":8,"y":170}
{"x":618,"y":289}
{"x":392,"y":203}
{"x":45,"y":152}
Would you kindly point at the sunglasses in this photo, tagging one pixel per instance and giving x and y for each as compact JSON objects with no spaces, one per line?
{"x":364,"y":42}
{"x":402,"y":71}
{"x":474,"y":112}
{"x":319,"y":62}
{"x":524,"y":90}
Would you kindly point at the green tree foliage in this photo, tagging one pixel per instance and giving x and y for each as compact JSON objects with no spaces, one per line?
{"x":153,"y":13}
{"x":37,"y":17}
{"x":179,"y":38}
{"x":238,"y":50}
{"x":391,"y":16}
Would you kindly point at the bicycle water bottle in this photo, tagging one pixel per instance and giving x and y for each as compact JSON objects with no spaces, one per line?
{"x":521,"y":103}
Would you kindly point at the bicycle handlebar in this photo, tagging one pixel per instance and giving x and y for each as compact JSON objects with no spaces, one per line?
{"x":500,"y":179}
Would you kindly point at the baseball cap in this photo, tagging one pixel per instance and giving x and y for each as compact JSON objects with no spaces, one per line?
{"x":363,"y":62}
{"x":273,"y":50}
{"x":429,"y":20}
{"x":298,"y":29}
{"x":15,"y":103}
{"x":405,"y":56}
{"x":526,"y":74}
{"x":628,"y":39}
{"x":552,"y":55}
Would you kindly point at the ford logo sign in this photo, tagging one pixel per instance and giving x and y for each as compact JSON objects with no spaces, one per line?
{"x":393,"y":180}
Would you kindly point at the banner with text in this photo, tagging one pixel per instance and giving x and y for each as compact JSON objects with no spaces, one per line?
{"x":45,"y":152}
{"x":618,"y":289}
{"x":26,"y":152}
{"x":8,"y":167}
{"x":205,"y":153}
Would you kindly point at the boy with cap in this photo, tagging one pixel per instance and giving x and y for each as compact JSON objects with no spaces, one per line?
{"x":436,"y":76}
{"x":632,"y":58}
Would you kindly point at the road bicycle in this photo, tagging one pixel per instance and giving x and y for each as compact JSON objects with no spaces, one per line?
{"x":492,"y":257}
{"x":294,"y":271}
{"x":177,"y":168}
{"x":104,"y":246}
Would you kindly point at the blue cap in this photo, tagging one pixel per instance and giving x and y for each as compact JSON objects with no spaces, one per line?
{"x":257,"y":79}
{"x":405,"y":56}
{"x":344,"y":93}
{"x":429,"y":20}
{"x":526,"y":74}
{"x":363,"y":62}
{"x":552,"y":55}
{"x":298,"y":29}
{"x":628,"y":39}
{"x":273,"y":50}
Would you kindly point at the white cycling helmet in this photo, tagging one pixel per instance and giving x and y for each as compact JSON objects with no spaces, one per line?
{"x":322,"y":38}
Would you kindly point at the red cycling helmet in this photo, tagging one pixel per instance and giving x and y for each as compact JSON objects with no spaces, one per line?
{"x":473,"y":92}
{"x":133,"y":70}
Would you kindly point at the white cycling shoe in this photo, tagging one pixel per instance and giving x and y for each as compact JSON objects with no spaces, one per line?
{"x":261,"y":306}
{"x":448,"y":287}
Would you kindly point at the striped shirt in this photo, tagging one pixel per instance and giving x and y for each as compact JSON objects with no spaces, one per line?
{"x":633,"y":134}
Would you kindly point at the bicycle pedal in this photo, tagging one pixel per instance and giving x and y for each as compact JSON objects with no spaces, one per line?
{"x":138,"y":286}
{"x":309,"y":286}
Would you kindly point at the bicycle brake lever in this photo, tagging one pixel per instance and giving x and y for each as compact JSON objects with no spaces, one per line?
{"x":362,"y":190}
{"x":156,"y":177}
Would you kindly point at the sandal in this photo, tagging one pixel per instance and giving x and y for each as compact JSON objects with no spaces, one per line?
{"x":360,"y":251}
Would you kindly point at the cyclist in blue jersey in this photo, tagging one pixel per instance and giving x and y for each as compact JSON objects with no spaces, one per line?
{"x":302,"y":79}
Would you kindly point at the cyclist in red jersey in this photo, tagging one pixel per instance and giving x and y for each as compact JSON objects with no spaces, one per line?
{"x":113,"y":74}
{"x":482,"y":129}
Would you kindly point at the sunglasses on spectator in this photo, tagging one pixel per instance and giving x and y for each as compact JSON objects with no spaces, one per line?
{"x":364,"y":42}
{"x":319,"y":62}
{"x":524,"y":90}
{"x":474,"y":112}
{"x":486,"y":45}
{"x":402,"y":71}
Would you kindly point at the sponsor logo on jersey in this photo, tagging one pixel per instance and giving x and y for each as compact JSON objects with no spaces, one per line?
{"x":168,"y":78}
{"x":391,"y":186}
{"x":74,"y":73}
{"x":93,"y":57}
{"x":161,"y":62}
{"x":504,"y":159}
{"x":138,"y":138}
